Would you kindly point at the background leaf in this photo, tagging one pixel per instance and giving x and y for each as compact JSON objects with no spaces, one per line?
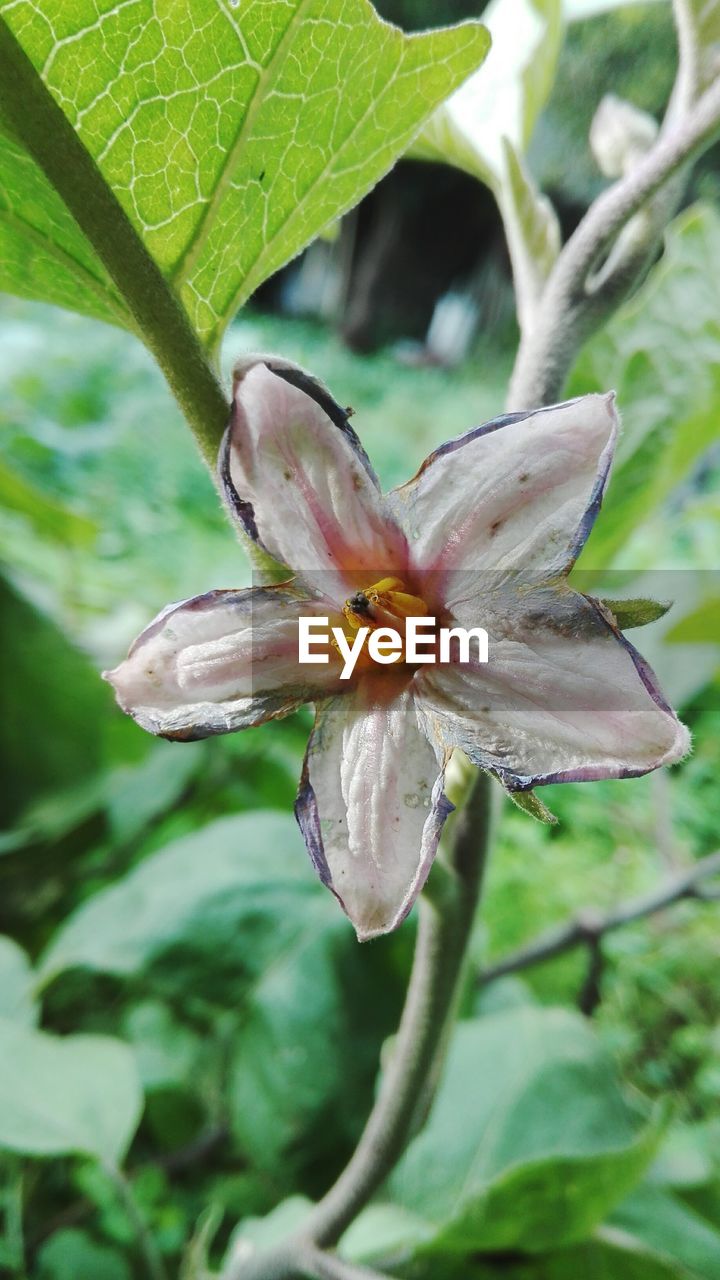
{"x":611,"y":1255}
{"x":61,"y":1095}
{"x":672,"y":1230}
{"x":17,"y":1003}
{"x":72,"y":1255}
{"x":224,"y":895}
{"x":53,"y":688}
{"x":231,"y":138}
{"x":541,"y":1148}
{"x":532,"y":231}
{"x":699,"y":626}
{"x":236,"y":910}
{"x":661,"y":352}
{"x":50,"y":519}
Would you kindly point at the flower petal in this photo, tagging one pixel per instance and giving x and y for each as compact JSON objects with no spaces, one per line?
{"x":371,"y":804}
{"x":295,"y":475}
{"x":521,"y":492}
{"x":564,"y":697}
{"x":222,"y":661}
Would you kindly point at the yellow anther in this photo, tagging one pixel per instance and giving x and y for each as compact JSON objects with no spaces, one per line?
{"x":382,"y":604}
{"x":384,"y":586}
{"x":404,"y":605}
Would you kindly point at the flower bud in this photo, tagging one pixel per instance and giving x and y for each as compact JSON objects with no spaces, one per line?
{"x":620,"y":135}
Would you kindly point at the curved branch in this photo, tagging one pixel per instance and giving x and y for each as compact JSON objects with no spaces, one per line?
{"x":569,"y":310}
{"x":317,"y":1265}
{"x":443,"y":933}
{"x":589,"y":927}
{"x":447,"y":911}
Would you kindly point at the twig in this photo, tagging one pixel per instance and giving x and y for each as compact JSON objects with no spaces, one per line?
{"x":570,"y":306}
{"x":198,"y":1151}
{"x":147,"y":1247}
{"x":445,"y":923}
{"x":588,"y":928}
{"x":317,"y":1265}
{"x":14,"y":1238}
{"x":591,"y":990}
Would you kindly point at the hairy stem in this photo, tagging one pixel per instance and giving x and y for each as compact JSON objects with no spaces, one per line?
{"x":569,"y":310}
{"x":32,"y":113}
{"x":444,"y":927}
{"x":443,"y":932}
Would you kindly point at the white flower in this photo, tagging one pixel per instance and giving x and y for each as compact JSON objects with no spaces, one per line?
{"x":485,"y":534}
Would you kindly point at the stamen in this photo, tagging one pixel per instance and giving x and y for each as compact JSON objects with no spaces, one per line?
{"x":383,"y":604}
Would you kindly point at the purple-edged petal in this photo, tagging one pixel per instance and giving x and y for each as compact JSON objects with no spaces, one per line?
{"x":371,"y":804}
{"x":564,"y":697}
{"x":520,"y":493}
{"x":295,"y":475}
{"x":222,"y":661}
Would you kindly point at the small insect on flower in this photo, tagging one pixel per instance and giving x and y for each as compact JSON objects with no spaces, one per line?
{"x":487,"y":530}
{"x":359,"y":604}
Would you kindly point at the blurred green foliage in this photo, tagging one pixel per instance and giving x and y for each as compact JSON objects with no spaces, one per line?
{"x":204,"y":1006}
{"x":203,"y":941}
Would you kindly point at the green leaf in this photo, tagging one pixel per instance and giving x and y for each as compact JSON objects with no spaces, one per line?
{"x":503,"y":103}
{"x":231,"y":138}
{"x":256,"y":1234}
{"x":43,"y":253}
{"x":17,"y":1003}
{"x":72,"y":1255}
{"x":313,"y":1023}
{"x":289,"y":1052}
{"x":686,"y":1159}
{"x":700,"y":626}
{"x":165,"y":1050}
{"x":538,"y":1150}
{"x":136,"y":795}
{"x":672,"y":1230}
{"x":235,"y":915}
{"x":609,"y":1255}
{"x":52,"y":713}
{"x":532,"y":230}
{"x":230,"y":896}
{"x":384,"y":1231}
{"x":49,"y":518}
{"x":62,"y":1095}
{"x":614,"y":1255}
{"x":635,"y":613}
{"x":661,"y":352}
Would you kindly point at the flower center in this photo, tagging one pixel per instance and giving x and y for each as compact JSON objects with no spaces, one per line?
{"x":385,"y":604}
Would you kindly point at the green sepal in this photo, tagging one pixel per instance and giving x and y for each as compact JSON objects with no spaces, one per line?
{"x":533,"y":805}
{"x":637,"y":612}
